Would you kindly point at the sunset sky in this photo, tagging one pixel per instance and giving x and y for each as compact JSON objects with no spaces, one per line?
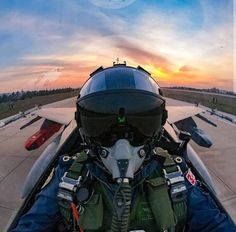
{"x":56,"y":43}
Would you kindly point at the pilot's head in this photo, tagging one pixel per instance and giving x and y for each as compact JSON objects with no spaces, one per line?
{"x":120,"y":109}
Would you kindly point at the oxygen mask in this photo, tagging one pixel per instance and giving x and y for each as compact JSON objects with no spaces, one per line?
{"x":122,"y":159}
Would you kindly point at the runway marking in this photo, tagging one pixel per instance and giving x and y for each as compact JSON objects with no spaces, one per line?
{"x":228,"y":186}
{"x":13,"y":169}
{"x":4,"y":207}
{"x":229,"y":199}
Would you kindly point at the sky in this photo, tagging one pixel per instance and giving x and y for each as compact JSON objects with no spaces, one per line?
{"x":58,"y":43}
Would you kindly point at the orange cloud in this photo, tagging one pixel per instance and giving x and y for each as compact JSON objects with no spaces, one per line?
{"x":187,"y":68}
{"x":140,"y":55}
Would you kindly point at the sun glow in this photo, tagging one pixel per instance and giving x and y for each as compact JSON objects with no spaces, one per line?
{"x":156,"y":72}
{"x":181,"y":50}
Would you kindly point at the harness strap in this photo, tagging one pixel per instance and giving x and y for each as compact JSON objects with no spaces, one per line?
{"x":160,"y":204}
{"x":174,"y":192}
{"x":67,"y":188}
{"x":177,"y":188}
{"x":75,"y":169}
{"x":168,"y":164}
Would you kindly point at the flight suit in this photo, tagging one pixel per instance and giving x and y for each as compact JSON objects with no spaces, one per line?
{"x":202,"y":212}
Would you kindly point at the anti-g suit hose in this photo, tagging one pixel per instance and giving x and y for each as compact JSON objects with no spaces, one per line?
{"x":122,"y":202}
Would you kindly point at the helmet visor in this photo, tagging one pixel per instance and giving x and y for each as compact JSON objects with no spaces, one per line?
{"x":130,"y":114}
{"x":120,"y":78}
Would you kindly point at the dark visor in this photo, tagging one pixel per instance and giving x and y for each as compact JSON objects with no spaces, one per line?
{"x":120,"y":102}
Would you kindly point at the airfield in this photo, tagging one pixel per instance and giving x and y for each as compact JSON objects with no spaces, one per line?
{"x":15,"y":161}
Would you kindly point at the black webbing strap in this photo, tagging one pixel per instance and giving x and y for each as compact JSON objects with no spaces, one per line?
{"x":177,"y":188}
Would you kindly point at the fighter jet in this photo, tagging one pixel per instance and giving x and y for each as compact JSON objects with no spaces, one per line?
{"x":179,"y":129}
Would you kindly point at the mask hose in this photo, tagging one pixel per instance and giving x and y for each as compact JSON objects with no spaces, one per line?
{"x":122,"y":202}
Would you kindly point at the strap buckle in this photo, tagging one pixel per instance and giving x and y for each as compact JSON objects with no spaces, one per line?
{"x":174,"y":177}
{"x":178,"y":191}
{"x":69,"y":183}
{"x":176,"y":182}
{"x":67,"y":187}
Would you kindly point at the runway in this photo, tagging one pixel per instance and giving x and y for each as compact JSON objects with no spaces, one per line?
{"x":220,"y":159}
{"x":15,"y":161}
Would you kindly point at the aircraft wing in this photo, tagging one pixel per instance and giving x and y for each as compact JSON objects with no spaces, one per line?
{"x":65,"y":115}
{"x":54,"y":119}
{"x":59,"y":115}
{"x":178,"y":113}
{"x":181,"y":116}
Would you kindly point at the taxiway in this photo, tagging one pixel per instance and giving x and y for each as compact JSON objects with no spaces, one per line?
{"x":15,"y":161}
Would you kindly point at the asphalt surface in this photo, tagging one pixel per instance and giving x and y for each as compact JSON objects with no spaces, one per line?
{"x":15,"y":161}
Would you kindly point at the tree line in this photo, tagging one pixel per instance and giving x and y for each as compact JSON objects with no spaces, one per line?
{"x":211,"y":90}
{"x":21,"y":95}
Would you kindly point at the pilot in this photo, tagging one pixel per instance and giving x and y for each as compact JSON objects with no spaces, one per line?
{"x":122,"y":179}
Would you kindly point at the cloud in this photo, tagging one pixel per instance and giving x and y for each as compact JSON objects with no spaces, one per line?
{"x":173,"y":49}
{"x":187,"y":68}
{"x":112,"y":4}
{"x":24,"y":33}
{"x":32,"y":26}
{"x":137,"y":53}
{"x":47,"y":78}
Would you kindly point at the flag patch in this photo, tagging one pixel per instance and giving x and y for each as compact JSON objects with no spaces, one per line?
{"x":191,"y":178}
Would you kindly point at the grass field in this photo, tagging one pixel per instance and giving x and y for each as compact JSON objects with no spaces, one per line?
{"x":223,"y":103}
{"x":22,"y":105}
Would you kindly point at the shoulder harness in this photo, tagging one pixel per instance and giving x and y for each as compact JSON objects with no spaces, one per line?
{"x":170,"y":212}
{"x":70,"y":205}
{"x":176,"y":186}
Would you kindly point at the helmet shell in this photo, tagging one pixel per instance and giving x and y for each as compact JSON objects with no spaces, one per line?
{"x":120,"y":102}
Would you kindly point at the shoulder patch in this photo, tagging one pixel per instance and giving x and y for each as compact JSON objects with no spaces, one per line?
{"x":190,"y":177}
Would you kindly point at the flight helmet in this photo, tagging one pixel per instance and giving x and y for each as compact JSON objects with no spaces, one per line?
{"x":120,"y":102}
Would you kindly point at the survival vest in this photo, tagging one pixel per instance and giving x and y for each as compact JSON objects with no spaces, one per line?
{"x":158,"y":202}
